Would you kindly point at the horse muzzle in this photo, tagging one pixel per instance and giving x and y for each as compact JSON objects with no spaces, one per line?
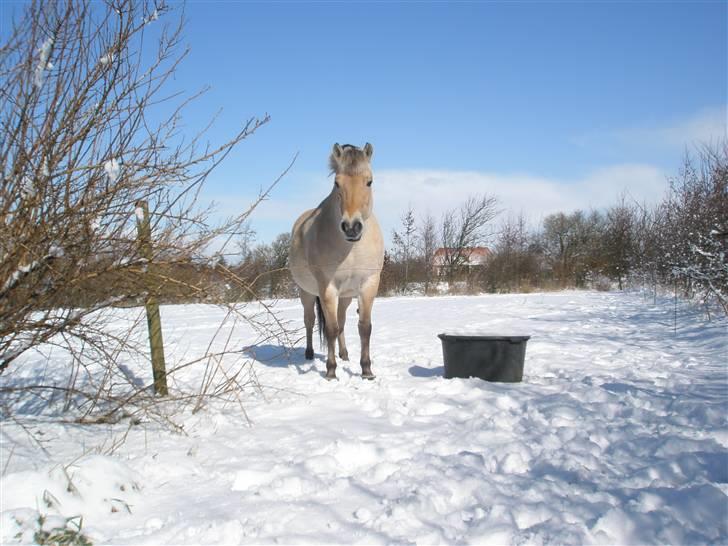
{"x":352,"y":230}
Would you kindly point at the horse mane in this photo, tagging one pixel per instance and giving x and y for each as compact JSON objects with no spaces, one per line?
{"x":352,"y":161}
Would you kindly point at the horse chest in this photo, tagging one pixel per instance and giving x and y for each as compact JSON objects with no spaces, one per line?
{"x":348,"y":282}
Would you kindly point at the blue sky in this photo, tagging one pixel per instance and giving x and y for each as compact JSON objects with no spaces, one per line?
{"x":553,"y":105}
{"x":549,"y":105}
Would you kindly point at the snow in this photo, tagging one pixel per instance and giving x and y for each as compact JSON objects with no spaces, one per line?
{"x":55,"y":251}
{"x":19,"y":273}
{"x":27,"y":187}
{"x":22,"y":270}
{"x":44,"y":168}
{"x":43,"y":62}
{"x":152,"y":17}
{"x":112,"y":167}
{"x":617,"y":435}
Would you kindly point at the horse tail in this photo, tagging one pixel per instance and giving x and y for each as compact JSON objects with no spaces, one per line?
{"x":321,"y":323}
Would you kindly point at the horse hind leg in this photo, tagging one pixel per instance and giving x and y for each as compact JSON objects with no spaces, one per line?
{"x":309,"y":317}
{"x":341,"y":316}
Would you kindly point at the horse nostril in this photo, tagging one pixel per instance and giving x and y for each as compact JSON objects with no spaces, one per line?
{"x":344,"y":227}
{"x":357,"y":227}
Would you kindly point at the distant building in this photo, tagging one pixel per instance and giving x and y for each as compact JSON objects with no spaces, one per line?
{"x":466,"y":259}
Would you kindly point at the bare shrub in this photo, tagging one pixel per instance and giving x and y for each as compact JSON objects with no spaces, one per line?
{"x":693,"y":227}
{"x":88,"y":132}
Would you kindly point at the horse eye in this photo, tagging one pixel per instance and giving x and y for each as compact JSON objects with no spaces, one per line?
{"x":370,"y":182}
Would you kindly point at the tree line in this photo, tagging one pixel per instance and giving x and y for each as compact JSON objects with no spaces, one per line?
{"x":678,"y":244}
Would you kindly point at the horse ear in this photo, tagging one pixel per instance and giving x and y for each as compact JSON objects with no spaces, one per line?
{"x":337,"y":151}
{"x":369,"y":150}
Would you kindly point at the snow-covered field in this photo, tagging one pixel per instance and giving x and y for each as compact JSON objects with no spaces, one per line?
{"x":617,"y":435}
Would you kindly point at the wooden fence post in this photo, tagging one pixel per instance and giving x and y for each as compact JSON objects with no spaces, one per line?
{"x":154,"y":322}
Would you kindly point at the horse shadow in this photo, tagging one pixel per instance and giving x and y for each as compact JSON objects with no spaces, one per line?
{"x":280,"y":356}
{"x":421,"y":371}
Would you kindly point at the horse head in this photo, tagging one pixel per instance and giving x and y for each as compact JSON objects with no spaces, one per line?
{"x":352,"y":187}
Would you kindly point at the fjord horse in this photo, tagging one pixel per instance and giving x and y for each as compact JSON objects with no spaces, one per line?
{"x":337,"y":253}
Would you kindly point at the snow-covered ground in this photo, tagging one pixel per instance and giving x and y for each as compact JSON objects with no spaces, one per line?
{"x":617,"y":435}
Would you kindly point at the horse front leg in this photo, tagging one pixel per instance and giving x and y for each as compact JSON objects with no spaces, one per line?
{"x":309,"y":317}
{"x":366,"y":301}
{"x":329,"y":305}
{"x":341,"y":316}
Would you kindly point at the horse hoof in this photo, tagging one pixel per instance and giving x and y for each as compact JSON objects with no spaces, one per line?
{"x":370,"y":376}
{"x":331,"y":377}
{"x":344,"y":356}
{"x":309,"y":354}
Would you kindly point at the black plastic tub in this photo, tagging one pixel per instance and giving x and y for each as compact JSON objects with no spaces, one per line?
{"x":493,"y":358}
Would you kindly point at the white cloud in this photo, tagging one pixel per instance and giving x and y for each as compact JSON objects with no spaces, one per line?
{"x":436,"y":191}
{"x":708,"y":126}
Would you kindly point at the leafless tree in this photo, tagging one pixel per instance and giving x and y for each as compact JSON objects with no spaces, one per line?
{"x":693,"y":233}
{"x":466,"y":227}
{"x":404,"y":245}
{"x":88,"y":132}
{"x":245,"y":241}
{"x":514,"y":264}
{"x":274,"y":265}
{"x":618,"y":241}
{"x":427,"y":246}
{"x":570,"y":245}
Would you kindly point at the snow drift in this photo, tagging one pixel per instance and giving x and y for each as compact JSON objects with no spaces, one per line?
{"x":617,"y":435}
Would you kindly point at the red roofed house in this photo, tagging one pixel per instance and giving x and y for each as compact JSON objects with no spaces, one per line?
{"x":460,"y":259}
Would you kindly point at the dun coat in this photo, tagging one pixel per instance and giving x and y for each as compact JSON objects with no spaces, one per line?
{"x":337,"y":253}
